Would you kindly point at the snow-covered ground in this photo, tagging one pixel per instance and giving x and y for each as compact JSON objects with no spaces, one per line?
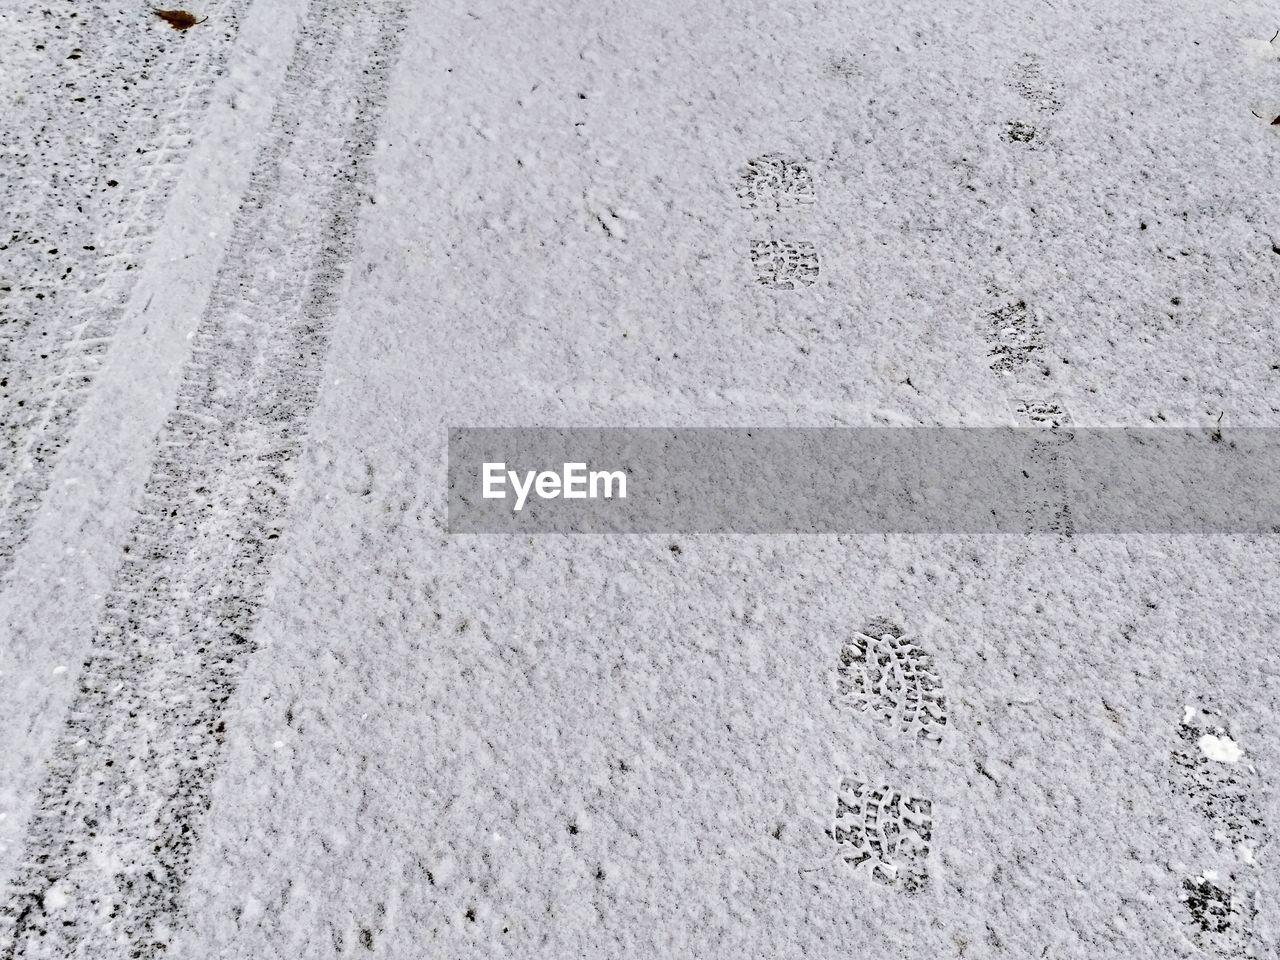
{"x":256,"y":701}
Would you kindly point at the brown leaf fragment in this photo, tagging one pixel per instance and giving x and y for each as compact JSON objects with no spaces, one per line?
{"x":178,"y":19}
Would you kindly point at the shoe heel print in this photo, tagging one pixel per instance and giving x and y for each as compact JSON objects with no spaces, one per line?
{"x":884,"y":833}
{"x":1218,"y":920}
{"x":784,"y":264}
{"x":1050,"y":413}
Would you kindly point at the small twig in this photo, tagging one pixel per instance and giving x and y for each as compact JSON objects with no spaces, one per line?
{"x":825,"y":862}
{"x":1273,"y":39}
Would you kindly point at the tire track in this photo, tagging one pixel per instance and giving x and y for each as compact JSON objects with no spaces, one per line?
{"x":90,"y":170}
{"x":108,"y":848}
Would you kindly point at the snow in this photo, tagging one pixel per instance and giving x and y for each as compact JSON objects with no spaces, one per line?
{"x":1220,"y":749}
{"x":56,"y":897}
{"x":413,"y":743}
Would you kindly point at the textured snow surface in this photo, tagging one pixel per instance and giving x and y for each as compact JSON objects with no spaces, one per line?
{"x":256,"y":702}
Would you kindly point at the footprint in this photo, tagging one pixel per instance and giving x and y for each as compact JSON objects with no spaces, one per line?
{"x":1028,"y":78}
{"x":1213,"y":772}
{"x":883,"y":672}
{"x":1217,"y":919}
{"x":844,"y":67}
{"x":1052,"y":512}
{"x":1015,"y":338}
{"x":883,"y":827}
{"x":1042,"y":413}
{"x":1042,"y":94}
{"x":774,"y":181}
{"x":784,"y":264}
{"x":1049,"y":510}
{"x":1016,"y":131}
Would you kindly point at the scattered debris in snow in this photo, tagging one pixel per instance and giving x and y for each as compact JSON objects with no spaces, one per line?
{"x":178,"y":19}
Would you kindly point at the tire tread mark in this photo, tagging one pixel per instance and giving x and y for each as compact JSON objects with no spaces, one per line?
{"x":73,"y":235}
{"x":108,"y":848}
